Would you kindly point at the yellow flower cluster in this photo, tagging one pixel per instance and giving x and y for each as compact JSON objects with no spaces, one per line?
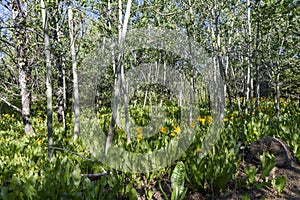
{"x":102,"y":116}
{"x":207,"y":119}
{"x":176,"y":130}
{"x":8,"y":115}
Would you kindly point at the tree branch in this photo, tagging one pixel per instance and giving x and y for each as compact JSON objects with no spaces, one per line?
{"x":11,"y":105}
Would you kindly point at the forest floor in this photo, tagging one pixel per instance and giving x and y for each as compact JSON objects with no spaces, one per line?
{"x":290,"y":192}
{"x":233,"y":192}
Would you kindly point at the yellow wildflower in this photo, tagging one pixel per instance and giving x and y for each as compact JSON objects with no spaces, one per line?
{"x":254,"y":131}
{"x":281,"y":100}
{"x":199,"y":149}
{"x":39,"y":140}
{"x":225,"y":120}
{"x":163,"y":130}
{"x":139,"y":136}
{"x":173,"y":133}
{"x":201,"y":120}
{"x":177,"y":129}
{"x":209,"y":119}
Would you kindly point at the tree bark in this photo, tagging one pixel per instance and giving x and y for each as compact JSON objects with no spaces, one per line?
{"x":122,"y":36}
{"x":19,"y":11}
{"x":75,"y":76}
{"x":48,"y":78}
{"x":60,"y":93}
{"x":249,"y":69}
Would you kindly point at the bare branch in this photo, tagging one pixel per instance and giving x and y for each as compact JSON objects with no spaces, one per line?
{"x":11,"y":105}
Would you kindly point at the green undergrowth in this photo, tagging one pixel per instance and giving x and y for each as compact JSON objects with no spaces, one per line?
{"x":208,"y":167}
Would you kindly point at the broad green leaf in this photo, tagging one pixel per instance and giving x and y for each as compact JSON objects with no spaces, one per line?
{"x":177,"y":180}
{"x":280,"y":183}
{"x":76,"y":175}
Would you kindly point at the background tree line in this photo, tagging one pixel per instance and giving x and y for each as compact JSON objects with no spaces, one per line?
{"x":253,"y":44}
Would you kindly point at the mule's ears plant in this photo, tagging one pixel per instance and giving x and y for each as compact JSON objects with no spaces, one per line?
{"x":279,"y":184}
{"x":177,"y":182}
{"x":268,"y":163}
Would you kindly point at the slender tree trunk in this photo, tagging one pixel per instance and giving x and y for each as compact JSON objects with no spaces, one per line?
{"x":277,"y":94}
{"x":118,"y":74}
{"x":126,"y":110}
{"x":60,"y":75}
{"x":74,"y":71}
{"x":123,"y":80}
{"x":48,"y":78}
{"x":191,"y":93}
{"x":227,"y":68}
{"x":249,"y":69}
{"x":19,"y":11}
{"x":257,"y":69}
{"x":60,"y":90}
{"x":218,"y":69}
{"x":237,"y":90}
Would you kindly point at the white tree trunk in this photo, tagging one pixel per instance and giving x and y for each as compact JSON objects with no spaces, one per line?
{"x":249,"y":69}
{"x":19,"y":12}
{"x":74,"y":71}
{"x":61,"y":90}
{"x":48,"y":77}
{"x":122,"y":36}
